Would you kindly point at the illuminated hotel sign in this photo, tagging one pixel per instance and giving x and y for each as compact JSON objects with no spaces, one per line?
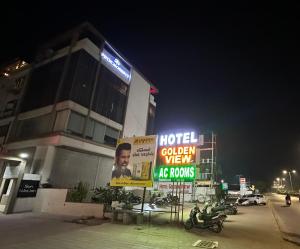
{"x":116,"y":65}
{"x":176,"y":157}
{"x":185,"y":173}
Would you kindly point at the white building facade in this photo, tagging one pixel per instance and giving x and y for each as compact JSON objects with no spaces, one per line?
{"x":76,"y":99}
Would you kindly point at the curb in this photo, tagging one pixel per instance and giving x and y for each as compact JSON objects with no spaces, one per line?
{"x":290,"y":237}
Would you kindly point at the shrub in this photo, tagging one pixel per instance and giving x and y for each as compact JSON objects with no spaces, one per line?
{"x":79,"y":192}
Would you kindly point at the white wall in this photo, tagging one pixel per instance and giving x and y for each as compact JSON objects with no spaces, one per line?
{"x":137,"y":108}
{"x":23,"y":204}
{"x":53,"y":201}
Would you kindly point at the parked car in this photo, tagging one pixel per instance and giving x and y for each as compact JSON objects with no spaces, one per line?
{"x":254,"y":199}
{"x":260,"y":199}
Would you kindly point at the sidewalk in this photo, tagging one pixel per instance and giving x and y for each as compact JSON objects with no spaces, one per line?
{"x":253,"y":227}
{"x":288,"y":218}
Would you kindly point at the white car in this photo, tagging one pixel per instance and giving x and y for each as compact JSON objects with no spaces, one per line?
{"x":260,"y":199}
{"x":256,"y":199}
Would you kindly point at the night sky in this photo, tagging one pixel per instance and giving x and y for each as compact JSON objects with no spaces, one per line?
{"x":232,"y":68}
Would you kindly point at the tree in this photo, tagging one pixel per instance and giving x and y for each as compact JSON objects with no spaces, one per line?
{"x":261,"y":186}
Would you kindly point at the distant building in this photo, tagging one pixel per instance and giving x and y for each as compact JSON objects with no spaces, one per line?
{"x":69,"y":106}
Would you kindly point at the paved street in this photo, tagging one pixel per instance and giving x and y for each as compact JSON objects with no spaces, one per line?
{"x":253,"y":227}
{"x":288,"y":218}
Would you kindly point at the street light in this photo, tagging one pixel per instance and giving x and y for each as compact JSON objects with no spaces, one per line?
{"x":289,"y":172}
{"x":280,"y":181}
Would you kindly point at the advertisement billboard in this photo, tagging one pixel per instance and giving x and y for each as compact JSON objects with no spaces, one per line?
{"x":168,"y":187}
{"x":176,"y":157}
{"x":134,"y":162}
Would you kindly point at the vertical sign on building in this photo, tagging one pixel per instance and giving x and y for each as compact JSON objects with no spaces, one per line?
{"x":243,"y":186}
{"x":134,"y":161}
{"x":176,"y":157}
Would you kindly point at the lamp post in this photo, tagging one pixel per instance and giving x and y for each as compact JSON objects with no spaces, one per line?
{"x":280,"y":181}
{"x":289,"y":172}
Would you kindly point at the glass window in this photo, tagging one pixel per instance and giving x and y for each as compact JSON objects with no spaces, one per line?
{"x":110,"y":97}
{"x":76,"y":123}
{"x":151,"y":119}
{"x":95,"y":130}
{"x":32,"y":127}
{"x":9,"y":109}
{"x":42,"y":85}
{"x":111,"y":136}
{"x":3,"y":130}
{"x":80,"y":78}
{"x":99,"y":131}
{"x":89,"y":133}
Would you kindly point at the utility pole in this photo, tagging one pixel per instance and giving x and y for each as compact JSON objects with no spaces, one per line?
{"x":212,"y":161}
{"x":213,"y":141}
{"x":291,"y":181}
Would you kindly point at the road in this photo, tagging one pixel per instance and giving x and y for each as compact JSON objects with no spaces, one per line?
{"x":254,"y":227}
{"x":288,"y":218}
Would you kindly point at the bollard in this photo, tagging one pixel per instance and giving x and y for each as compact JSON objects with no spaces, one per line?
{"x":114,"y":215}
{"x":127,"y":218}
{"x":140,"y":219}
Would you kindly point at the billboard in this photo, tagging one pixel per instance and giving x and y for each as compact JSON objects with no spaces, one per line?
{"x":168,"y":187}
{"x":134,"y":161}
{"x":176,"y":157}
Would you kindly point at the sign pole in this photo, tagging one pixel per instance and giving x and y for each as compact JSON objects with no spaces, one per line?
{"x":143,"y":201}
{"x":182,"y":202}
{"x":172,"y":203}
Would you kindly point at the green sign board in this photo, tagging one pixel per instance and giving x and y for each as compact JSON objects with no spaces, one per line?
{"x":224,"y":186}
{"x":175,"y":173}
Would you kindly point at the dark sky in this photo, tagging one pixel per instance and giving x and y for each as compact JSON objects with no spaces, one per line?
{"x":232,"y":68}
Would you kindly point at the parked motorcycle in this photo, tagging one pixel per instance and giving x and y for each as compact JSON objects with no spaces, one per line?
{"x":164,"y":201}
{"x":211,"y":221}
{"x":228,"y":209}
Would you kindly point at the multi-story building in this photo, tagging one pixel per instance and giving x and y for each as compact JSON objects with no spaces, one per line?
{"x":68,"y":107}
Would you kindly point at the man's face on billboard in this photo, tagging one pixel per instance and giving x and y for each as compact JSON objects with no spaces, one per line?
{"x":123,"y":158}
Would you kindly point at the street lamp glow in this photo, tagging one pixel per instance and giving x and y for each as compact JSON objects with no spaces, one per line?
{"x":23,"y":155}
{"x":222,"y":181}
{"x":292,"y":171}
{"x":283,"y":179}
{"x":278,"y":179}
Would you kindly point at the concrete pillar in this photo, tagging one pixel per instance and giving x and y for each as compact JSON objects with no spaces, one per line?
{"x":43,"y":162}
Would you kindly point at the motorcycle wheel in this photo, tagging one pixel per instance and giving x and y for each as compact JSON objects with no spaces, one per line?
{"x":235,"y":212}
{"x":217,"y":227}
{"x":188,"y":225}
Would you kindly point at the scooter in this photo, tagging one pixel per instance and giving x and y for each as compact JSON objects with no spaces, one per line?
{"x":288,"y":202}
{"x":228,"y":209}
{"x":213,"y":222}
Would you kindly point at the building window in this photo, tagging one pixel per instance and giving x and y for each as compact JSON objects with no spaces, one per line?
{"x":95,"y":130}
{"x":42,"y":85}
{"x":29,"y":128}
{"x":80,"y":77}
{"x":4,"y":130}
{"x":10,"y":108}
{"x":151,"y":119}
{"x":110,"y":97}
{"x":111,"y":136}
{"x":76,"y":123}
